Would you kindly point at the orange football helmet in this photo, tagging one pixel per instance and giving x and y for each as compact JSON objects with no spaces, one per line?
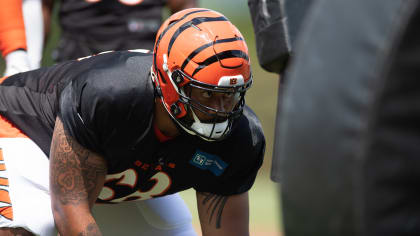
{"x":202,"y":49}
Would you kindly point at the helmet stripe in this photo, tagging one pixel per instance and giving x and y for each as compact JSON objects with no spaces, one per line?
{"x":188,"y":24}
{"x":169,"y":27}
{"x":161,"y":76}
{"x":198,"y":50}
{"x":221,"y":56}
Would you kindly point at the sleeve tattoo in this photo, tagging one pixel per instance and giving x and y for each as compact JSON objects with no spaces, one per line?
{"x":91,"y":229}
{"x":74,"y":168}
{"x":215,"y":205}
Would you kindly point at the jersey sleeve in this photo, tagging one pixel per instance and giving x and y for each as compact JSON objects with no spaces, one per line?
{"x":77,"y":126}
{"x":106,"y":105}
{"x":92,"y":114}
{"x":246,"y":149}
{"x":244,"y":177}
{"x":12,"y":28}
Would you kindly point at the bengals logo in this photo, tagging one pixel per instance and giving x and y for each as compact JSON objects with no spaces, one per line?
{"x":233,"y":81}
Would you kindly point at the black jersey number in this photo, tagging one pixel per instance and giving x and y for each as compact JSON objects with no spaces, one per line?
{"x":129,"y":178}
{"x":125,"y":2}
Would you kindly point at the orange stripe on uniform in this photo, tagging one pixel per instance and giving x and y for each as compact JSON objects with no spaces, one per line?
{"x":8,"y":130}
{"x":4,"y":196}
{"x":3,"y":78}
{"x":12,"y":28}
{"x":7,"y":212}
{"x":2,"y":166}
{"x":4,"y":182}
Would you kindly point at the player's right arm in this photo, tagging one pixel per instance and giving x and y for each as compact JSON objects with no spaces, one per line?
{"x":77,"y":176}
{"x":223,"y":215}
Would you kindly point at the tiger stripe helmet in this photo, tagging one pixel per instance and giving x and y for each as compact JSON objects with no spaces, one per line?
{"x":202,"y":48}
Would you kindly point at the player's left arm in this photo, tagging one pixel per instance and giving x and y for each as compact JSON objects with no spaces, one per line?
{"x":177,"y":5}
{"x":77,"y":176}
{"x":223,"y":215}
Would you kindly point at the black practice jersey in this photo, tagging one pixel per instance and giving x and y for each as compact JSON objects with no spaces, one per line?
{"x":90,"y":27}
{"x":106,"y":103}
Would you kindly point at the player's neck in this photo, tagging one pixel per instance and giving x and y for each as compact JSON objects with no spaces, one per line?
{"x":162,"y":120}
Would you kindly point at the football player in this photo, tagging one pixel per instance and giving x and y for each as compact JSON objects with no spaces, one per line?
{"x":92,"y":26}
{"x":154,"y":217}
{"x":125,"y":126}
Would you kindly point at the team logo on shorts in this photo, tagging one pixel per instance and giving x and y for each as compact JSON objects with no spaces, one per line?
{"x":206,"y":161}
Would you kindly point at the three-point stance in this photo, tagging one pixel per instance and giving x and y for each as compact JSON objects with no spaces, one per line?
{"x":132,"y":125}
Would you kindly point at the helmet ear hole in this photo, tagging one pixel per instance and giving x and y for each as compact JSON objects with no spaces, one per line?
{"x":177,"y":77}
{"x":158,"y":91}
{"x":175,"y":110}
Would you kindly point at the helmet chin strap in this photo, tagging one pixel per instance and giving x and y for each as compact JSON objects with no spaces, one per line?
{"x":212,"y":131}
{"x":205,"y":129}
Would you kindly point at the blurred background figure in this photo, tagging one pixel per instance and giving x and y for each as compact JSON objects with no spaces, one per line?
{"x":92,"y":26}
{"x":271,"y":34}
{"x":349,"y":121}
{"x":34,"y":28}
{"x":13,"y":45}
{"x":296,"y":12}
{"x":276,"y":26}
{"x":273,"y":50}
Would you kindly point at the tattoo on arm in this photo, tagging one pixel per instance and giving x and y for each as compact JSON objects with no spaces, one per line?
{"x":74,"y":169}
{"x":215,"y":204}
{"x":91,"y":229}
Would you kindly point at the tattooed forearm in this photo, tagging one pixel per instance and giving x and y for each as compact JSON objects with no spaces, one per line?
{"x":215,"y":204}
{"x":74,"y":169}
{"x":91,"y":230}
